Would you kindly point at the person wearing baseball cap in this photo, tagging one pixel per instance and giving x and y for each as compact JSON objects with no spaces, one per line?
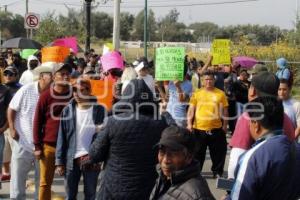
{"x":20,"y":116}
{"x":257,"y":68}
{"x":179,"y":173}
{"x":46,"y":124}
{"x":262,"y":84}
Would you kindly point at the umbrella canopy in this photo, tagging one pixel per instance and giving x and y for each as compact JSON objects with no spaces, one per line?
{"x":21,"y":43}
{"x":244,"y":61}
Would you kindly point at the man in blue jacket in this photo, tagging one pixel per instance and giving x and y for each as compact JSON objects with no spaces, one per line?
{"x":269,"y":170}
{"x":78,"y":126}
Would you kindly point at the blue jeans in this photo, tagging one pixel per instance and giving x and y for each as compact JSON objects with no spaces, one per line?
{"x":72,"y":179}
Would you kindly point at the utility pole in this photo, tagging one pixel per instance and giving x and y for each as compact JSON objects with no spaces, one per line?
{"x":145,"y":28}
{"x":27,"y":32}
{"x":116,"y":31}
{"x":88,"y":24}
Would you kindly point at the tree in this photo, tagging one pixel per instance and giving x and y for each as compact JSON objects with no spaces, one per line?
{"x":138,"y":33}
{"x":49,"y":29}
{"x":204,"y":30}
{"x":126,"y":22}
{"x":101,"y":25}
{"x":11,"y":25}
{"x":72,"y":23}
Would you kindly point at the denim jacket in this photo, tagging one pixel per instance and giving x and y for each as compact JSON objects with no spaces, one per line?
{"x":66,"y":141}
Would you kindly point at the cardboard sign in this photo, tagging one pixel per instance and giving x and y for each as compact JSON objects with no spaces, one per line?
{"x":70,"y":42}
{"x":169,"y":63}
{"x":221,"y":52}
{"x":55,"y":54}
{"x":25,"y":53}
{"x":103,"y":90}
{"x":108,"y":47}
{"x":112,"y":60}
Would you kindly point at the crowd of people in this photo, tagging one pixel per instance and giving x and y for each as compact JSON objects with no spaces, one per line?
{"x":152,"y":143}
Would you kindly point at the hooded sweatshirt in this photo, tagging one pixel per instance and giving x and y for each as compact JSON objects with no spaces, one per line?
{"x":27,"y":76}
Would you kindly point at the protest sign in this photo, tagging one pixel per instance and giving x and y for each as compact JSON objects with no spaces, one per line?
{"x":25,"y":53}
{"x":169,"y":63}
{"x":107,"y":47}
{"x":54,"y":54}
{"x":112,"y":60}
{"x":103,"y":90}
{"x":221,"y":52}
{"x":70,"y":42}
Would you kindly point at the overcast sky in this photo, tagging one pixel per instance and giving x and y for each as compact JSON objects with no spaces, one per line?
{"x":271,"y":12}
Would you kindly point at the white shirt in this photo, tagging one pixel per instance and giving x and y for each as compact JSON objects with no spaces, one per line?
{"x":24,"y":103}
{"x":292,"y":110}
{"x":85,"y":129}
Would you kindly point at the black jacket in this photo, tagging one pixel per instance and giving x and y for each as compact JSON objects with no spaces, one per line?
{"x":126,"y":145}
{"x":187,"y":184}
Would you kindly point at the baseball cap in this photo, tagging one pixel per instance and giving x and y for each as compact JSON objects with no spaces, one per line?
{"x":257,"y":68}
{"x":177,"y":138}
{"x":11,"y":69}
{"x":266,"y":83}
{"x":59,"y":66}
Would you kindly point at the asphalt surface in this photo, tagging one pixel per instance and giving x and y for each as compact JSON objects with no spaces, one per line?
{"x":59,"y":192}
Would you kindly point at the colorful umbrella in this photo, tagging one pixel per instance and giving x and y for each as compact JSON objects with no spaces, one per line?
{"x":244,"y":61}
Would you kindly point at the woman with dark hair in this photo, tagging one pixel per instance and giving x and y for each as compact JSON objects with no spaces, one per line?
{"x":126,"y":143}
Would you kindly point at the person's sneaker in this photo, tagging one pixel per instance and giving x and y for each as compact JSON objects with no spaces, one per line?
{"x":5,"y":178}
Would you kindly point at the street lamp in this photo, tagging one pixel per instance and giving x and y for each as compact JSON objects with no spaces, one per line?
{"x":88,"y":24}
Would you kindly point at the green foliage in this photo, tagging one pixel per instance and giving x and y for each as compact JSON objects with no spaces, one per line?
{"x":138,"y":26}
{"x":126,"y":23}
{"x":11,"y":25}
{"x":49,"y":29}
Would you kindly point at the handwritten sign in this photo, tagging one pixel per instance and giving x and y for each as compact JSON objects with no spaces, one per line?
{"x":70,"y":42}
{"x":169,"y":63}
{"x":221,"y":52}
{"x":103,"y":90}
{"x":112,"y":60}
{"x":55,"y":54}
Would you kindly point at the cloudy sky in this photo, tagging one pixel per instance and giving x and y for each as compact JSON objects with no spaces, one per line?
{"x":271,"y":12}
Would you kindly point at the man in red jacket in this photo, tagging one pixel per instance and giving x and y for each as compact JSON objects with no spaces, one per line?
{"x":46,"y":124}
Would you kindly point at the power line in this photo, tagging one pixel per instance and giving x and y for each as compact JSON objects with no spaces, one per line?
{"x":9,"y":4}
{"x":150,"y":6}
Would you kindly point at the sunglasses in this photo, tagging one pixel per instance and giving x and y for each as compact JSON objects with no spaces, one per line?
{"x":9,"y":74}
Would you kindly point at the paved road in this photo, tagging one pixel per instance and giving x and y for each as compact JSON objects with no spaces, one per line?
{"x":58,"y":187}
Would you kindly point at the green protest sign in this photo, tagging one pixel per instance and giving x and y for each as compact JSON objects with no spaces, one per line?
{"x":25,"y":53}
{"x":169,"y":63}
{"x":221,"y":52}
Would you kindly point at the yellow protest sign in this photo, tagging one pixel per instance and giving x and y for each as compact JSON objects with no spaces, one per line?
{"x":221,"y":52}
{"x":55,"y":54}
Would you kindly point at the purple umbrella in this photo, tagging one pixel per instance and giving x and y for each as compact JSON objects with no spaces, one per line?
{"x":245,"y":61}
